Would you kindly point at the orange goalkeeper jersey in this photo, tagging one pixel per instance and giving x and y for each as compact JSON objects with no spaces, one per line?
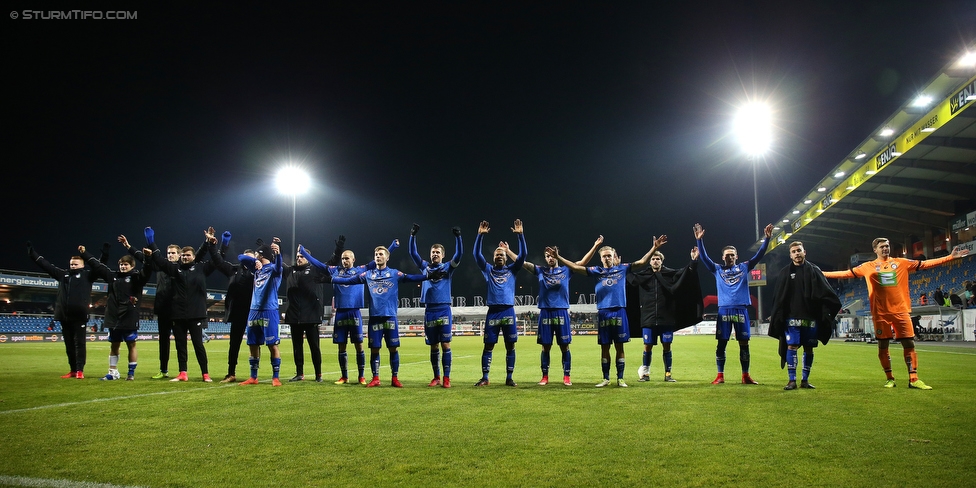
{"x":888,"y":281}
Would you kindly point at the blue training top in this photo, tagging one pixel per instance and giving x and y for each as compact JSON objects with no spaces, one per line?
{"x":611,"y":288}
{"x":553,"y":286}
{"x":436,"y":292}
{"x":732,"y":283}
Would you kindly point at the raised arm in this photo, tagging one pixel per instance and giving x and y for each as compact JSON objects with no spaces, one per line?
{"x":520,"y":258}
{"x":658,"y":242}
{"x":311,"y":260}
{"x":458,"y":247}
{"x":699,"y":233}
{"x":479,"y":258}
{"x":511,"y":255}
{"x":412,"y":247}
{"x":55,"y":272}
{"x":768,"y":232}
{"x":847,"y":273}
{"x":589,"y":255}
{"x":340,"y":247}
{"x":576,"y":268}
{"x":99,"y":269}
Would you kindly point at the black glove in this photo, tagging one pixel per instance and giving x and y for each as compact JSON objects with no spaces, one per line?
{"x":437,"y":274}
{"x":456,"y":230}
{"x":414,"y":229}
{"x":341,"y":241}
{"x":106,"y":248}
{"x":30,"y":251}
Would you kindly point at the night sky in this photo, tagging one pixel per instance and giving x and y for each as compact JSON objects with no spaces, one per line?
{"x":578,"y":118}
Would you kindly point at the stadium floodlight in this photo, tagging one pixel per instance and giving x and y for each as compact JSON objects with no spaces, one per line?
{"x":753,"y":127}
{"x":292,"y":180}
{"x":860,"y":155}
{"x":886,"y":132}
{"x":967,"y":60}
{"x":922,"y":101}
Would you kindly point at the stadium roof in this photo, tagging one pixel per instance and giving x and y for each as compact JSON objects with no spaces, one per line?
{"x":913,"y":175}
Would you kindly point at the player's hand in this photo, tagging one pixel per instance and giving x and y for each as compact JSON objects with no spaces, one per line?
{"x":768,"y":231}
{"x":81,"y":249}
{"x":517,"y":227}
{"x":694,"y":253}
{"x":660,"y":241}
{"x":341,"y":241}
{"x":598,"y":241}
{"x":699,"y":231}
{"x":503,"y":245}
{"x":414,"y":229}
{"x":122,"y":240}
{"x":276,"y":240}
{"x":456,"y":231}
{"x":483,"y":227}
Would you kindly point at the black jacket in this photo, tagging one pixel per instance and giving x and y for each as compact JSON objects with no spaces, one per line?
{"x":189,"y":283}
{"x":237,"y":304}
{"x":74,"y":290}
{"x":124,"y":293}
{"x":820,"y":299}
{"x":304,"y":293}
{"x":670,"y":299}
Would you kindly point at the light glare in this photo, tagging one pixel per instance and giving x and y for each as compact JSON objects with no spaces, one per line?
{"x":753,"y":128}
{"x":292,"y":180}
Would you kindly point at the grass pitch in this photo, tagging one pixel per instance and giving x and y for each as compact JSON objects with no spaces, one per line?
{"x":848,"y":432}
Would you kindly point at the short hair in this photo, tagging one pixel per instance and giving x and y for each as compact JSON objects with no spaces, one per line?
{"x":878,"y":241}
{"x":439,"y":246}
{"x":606,"y":248}
{"x":248,"y":251}
{"x":726,"y":248}
{"x":382,"y":248}
{"x":131,"y":261}
{"x":187,"y":249}
{"x":795,"y":244}
{"x":173,"y":246}
{"x":658,"y":253}
{"x":76,"y":257}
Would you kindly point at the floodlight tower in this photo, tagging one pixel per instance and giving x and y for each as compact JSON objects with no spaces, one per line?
{"x":754,"y":130}
{"x":292,"y":180}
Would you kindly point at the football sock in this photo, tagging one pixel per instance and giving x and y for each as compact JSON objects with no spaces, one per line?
{"x":113,"y":362}
{"x":911,"y":360}
{"x":275,"y":367}
{"x":606,"y":368}
{"x":132,"y":368}
{"x":621,"y":362}
{"x":791,"y":363}
{"x":567,"y":362}
{"x":720,"y":356}
{"x":435,"y":360}
{"x":807,"y":364}
{"x":485,"y":364}
{"x":744,"y":358}
{"x":254,"y":362}
{"x":446,"y":361}
{"x":885,"y":362}
{"x":361,"y":362}
{"x":374,"y":363}
{"x":509,"y":362}
{"x":344,"y":364}
{"x":394,"y":362}
{"x":646,"y":359}
{"x":545,"y":358}
{"x":667,"y":361}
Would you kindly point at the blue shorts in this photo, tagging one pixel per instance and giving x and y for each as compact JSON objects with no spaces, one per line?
{"x":801,"y":332}
{"x":612,"y":326}
{"x":381,"y":328}
{"x":262,"y":327}
{"x":730,"y":318}
{"x":554,"y":321}
{"x":501,"y":319}
{"x":118,"y":335}
{"x":348,"y":326}
{"x":438,"y":324}
{"x":652,"y":333}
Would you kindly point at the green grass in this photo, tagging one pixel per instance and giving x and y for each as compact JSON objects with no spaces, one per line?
{"x":848,"y":432}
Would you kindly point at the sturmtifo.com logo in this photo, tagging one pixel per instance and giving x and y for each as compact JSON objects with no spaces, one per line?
{"x":74,"y":15}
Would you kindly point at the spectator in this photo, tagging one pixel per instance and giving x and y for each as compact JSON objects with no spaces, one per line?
{"x":923,"y":299}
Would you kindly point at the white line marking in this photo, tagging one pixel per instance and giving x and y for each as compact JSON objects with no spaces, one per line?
{"x":25,"y":481}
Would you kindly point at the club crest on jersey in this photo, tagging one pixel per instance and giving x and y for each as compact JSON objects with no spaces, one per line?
{"x":128,"y":279}
{"x":894,"y":265}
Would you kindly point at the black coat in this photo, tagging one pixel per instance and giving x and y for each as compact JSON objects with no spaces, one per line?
{"x":74,"y":290}
{"x":304,"y":292}
{"x":820,"y":298}
{"x":669,"y":299}
{"x":189,"y":283}
{"x":124,"y":293}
